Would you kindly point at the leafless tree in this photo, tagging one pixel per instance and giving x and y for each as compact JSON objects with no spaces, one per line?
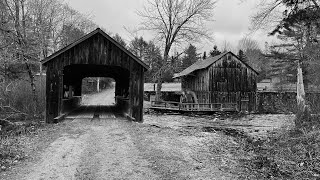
{"x":31,"y":30}
{"x":227,"y":46}
{"x":176,"y":21}
{"x":247,"y":43}
{"x":252,"y":52}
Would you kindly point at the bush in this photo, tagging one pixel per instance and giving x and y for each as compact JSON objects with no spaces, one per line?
{"x":16,"y":142}
{"x":17,"y":99}
{"x":289,"y":155}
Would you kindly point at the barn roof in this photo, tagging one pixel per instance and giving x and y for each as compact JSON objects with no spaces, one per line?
{"x":202,"y":64}
{"x":166,"y":87}
{"x":97,"y":31}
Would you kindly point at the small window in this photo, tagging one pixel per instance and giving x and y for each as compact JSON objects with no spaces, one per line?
{"x":228,"y":56}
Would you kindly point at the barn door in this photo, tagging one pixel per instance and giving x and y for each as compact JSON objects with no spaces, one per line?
{"x":244,"y":102}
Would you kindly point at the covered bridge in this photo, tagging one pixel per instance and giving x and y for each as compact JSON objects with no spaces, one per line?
{"x":223,"y":80}
{"x":94,"y":55}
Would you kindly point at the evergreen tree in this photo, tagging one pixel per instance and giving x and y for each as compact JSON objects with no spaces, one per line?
{"x":119,"y":39}
{"x":190,"y":57}
{"x":149,"y":53}
{"x":70,"y":34}
{"x":215,"y":51}
{"x":204,"y":55}
{"x":138,"y":47}
{"x":242,"y":56}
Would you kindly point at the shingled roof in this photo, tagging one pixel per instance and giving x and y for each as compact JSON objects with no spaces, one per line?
{"x":202,"y":64}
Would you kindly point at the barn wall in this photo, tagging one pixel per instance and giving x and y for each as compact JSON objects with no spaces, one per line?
{"x":96,"y":50}
{"x":226,"y":81}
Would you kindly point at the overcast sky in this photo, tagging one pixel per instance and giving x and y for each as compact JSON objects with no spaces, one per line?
{"x":232,"y":19}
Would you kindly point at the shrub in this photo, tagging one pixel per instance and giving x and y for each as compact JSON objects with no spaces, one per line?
{"x":17,"y":99}
{"x":289,"y":155}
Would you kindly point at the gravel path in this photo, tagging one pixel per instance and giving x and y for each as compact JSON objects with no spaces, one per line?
{"x":115,"y":148}
{"x":99,"y":144}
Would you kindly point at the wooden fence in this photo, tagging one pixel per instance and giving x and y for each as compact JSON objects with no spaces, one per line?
{"x":194,"y":107}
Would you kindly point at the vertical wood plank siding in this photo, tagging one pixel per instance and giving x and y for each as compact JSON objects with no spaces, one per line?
{"x":224,"y":81}
{"x":96,"y":50}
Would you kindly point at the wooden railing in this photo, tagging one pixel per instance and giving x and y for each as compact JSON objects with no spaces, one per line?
{"x":170,"y":105}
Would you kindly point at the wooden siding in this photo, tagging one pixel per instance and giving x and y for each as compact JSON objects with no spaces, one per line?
{"x":227,"y":80}
{"x":96,"y":50}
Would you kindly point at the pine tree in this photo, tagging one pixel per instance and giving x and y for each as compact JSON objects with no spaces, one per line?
{"x":190,"y":57}
{"x":204,"y":55}
{"x":215,"y":51}
{"x":242,"y":56}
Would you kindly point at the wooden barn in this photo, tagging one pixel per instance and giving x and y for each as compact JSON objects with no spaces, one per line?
{"x":94,"y":55}
{"x":222,"y":81}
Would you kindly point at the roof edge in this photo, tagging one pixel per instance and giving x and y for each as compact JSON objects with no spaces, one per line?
{"x":177,"y":75}
{"x":87,"y":36}
{"x":244,"y":62}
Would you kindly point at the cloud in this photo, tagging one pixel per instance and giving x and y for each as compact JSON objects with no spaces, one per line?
{"x":232,"y":19}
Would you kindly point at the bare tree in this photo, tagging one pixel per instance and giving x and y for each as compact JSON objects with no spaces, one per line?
{"x":227,"y":46}
{"x":252,"y":52}
{"x":31,"y":31}
{"x":176,"y":21}
{"x":247,"y":43}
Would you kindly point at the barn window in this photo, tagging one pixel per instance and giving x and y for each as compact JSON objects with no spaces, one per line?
{"x":228,"y":57}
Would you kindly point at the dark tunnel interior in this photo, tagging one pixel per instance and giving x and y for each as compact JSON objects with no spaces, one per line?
{"x":72,"y":83}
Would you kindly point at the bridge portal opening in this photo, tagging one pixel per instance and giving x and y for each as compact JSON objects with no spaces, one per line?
{"x":95,"y":85}
{"x":98,"y":91}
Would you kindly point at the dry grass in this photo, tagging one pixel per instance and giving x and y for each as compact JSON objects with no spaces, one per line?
{"x":17,"y":95}
{"x":288,"y":155}
{"x":23,"y":142}
{"x":16,"y":143}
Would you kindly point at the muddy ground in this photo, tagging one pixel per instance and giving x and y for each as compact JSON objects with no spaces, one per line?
{"x":163,"y":147}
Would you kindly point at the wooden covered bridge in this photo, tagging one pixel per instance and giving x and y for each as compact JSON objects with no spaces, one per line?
{"x":94,"y":55}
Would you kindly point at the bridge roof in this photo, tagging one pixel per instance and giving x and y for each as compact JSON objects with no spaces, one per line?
{"x":105,"y":35}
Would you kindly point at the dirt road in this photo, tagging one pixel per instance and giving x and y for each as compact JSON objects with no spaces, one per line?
{"x":105,"y":97}
{"x":99,"y":144}
{"x":114,"y":148}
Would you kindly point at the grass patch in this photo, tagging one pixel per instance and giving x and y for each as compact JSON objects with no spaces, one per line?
{"x":292,"y":154}
{"x":23,"y":141}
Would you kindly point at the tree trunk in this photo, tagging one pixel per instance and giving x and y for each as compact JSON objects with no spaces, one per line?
{"x":98,"y":84}
{"x":159,"y":86}
{"x":21,"y":35}
{"x":32,"y":83}
{"x":159,"y":79}
{"x":303,"y":115}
